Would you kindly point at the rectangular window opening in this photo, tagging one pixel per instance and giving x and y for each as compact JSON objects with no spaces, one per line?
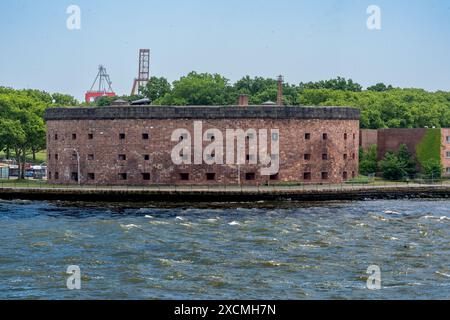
{"x":250,"y":176}
{"x":184,"y":176}
{"x":146,"y":176}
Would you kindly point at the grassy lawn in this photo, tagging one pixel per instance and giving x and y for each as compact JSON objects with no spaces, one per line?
{"x":40,"y":157}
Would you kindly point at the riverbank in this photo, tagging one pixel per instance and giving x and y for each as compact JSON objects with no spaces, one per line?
{"x":221,"y":194}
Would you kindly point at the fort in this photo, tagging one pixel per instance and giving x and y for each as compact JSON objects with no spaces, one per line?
{"x":133,"y":145}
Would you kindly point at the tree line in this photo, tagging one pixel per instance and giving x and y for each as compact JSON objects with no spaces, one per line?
{"x":22,"y":127}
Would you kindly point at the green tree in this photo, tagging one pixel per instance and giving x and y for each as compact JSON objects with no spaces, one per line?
{"x":369,"y":160}
{"x":432,"y":169}
{"x":156,"y":88}
{"x":392,"y":168}
{"x":200,"y":89}
{"x":406,"y":157}
{"x":380,"y":87}
{"x":64,"y":100}
{"x":334,"y":84}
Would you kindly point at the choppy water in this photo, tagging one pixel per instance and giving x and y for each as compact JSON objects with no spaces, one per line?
{"x":304,"y":252}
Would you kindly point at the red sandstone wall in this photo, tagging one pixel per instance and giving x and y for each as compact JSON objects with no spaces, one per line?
{"x":391,"y":139}
{"x":106,"y":147}
{"x":368,"y":137}
{"x":445,"y":148}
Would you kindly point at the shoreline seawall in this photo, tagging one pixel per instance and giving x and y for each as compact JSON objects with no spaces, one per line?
{"x":223,"y":195}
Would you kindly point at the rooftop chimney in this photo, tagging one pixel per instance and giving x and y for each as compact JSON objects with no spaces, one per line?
{"x":243,"y":100}
{"x":280,"y":91}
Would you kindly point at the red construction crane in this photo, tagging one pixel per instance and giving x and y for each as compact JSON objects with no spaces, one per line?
{"x":144,"y":71}
{"x":104,"y":86}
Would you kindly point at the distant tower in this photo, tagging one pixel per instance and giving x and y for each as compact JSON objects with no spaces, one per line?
{"x":104,"y":86}
{"x":280,"y":91}
{"x":144,"y":71}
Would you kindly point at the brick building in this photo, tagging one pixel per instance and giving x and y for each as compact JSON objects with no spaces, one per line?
{"x":133,"y":145}
{"x":435,"y":143}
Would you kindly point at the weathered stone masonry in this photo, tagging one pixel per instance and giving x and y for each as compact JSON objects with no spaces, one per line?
{"x":131,"y":145}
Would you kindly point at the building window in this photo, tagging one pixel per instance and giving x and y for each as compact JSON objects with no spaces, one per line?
{"x":250,"y":157}
{"x":122,"y":157}
{"x":354,"y":156}
{"x":448,"y":154}
{"x":325,"y":136}
{"x":250,"y":136}
{"x":74,"y":176}
{"x":74,"y":136}
{"x":56,"y":156}
{"x":90,"y":136}
{"x":324,"y":175}
{"x":353,"y":174}
{"x":307,"y":136}
{"x":184,"y":176}
{"x":307,"y":176}
{"x":275,"y":177}
{"x":250,"y":176}
{"x":210,"y":176}
{"x":345,"y":136}
{"x":345,"y":175}
{"x":49,"y":175}
{"x":56,"y":136}
{"x":447,"y":170}
{"x":146,"y":176}
{"x":146,"y":157}
{"x":324,"y":156}
{"x":91,"y":157}
{"x":145,"y":136}
{"x":123,"y":176}
{"x":49,"y":156}
{"x":91,"y":176}
{"x":354,"y":136}
{"x":345,"y":156}
{"x":56,"y":175}
{"x":74,"y":157}
{"x":307,"y":157}
{"x":122,"y":136}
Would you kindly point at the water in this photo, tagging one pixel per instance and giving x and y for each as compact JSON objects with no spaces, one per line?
{"x":313,"y":251}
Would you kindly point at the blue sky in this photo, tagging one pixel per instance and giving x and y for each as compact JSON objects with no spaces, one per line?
{"x":303,"y":40}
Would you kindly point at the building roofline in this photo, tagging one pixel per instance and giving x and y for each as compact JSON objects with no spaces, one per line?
{"x":201,"y":112}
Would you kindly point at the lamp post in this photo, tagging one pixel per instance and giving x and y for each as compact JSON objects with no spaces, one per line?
{"x":78,"y":164}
